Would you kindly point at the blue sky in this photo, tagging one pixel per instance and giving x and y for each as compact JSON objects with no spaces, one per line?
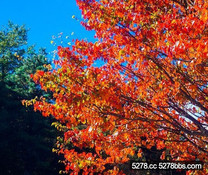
{"x":45,"y":18}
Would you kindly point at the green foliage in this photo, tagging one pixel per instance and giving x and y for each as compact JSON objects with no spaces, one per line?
{"x":20,"y":80}
{"x":17,"y":61}
{"x":26,"y":139}
{"x":12,"y":40}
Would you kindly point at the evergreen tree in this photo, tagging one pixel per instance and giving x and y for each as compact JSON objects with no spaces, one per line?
{"x":12,"y":40}
{"x":26,"y":139}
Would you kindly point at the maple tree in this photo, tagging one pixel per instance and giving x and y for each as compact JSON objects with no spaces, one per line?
{"x":151,"y":91}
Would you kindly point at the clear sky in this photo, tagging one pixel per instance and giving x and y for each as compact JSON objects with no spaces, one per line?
{"x":45,"y":18}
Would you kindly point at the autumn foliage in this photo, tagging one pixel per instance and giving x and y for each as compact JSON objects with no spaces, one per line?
{"x":151,"y":91}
